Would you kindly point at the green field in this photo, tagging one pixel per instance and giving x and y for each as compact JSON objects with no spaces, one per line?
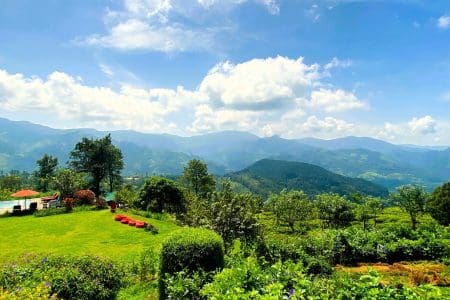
{"x":81,"y":232}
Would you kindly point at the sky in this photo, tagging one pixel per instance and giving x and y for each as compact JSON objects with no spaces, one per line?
{"x":293,"y":68}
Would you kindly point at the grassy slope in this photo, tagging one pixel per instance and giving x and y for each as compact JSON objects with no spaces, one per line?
{"x":84,"y":232}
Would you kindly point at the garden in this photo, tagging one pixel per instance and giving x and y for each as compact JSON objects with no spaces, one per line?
{"x":197,"y":237}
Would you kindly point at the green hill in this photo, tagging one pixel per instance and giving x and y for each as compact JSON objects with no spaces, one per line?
{"x":269,"y":175}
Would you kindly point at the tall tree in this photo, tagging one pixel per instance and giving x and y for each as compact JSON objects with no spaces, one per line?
{"x":439,"y":204}
{"x":233,"y":216}
{"x":46,"y":170}
{"x":334,"y":210}
{"x":99,"y":158}
{"x":291,"y":207}
{"x":67,"y":182}
{"x":412,"y":199}
{"x":197,"y":179}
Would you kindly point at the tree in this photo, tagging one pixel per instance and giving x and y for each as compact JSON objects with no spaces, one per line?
{"x":126,"y":195}
{"x":291,"y":207}
{"x":46,"y":170}
{"x":412,"y":199}
{"x":67,"y":182}
{"x":233,"y":216}
{"x":368,"y":209}
{"x":197,"y":179}
{"x":161,"y":195}
{"x":99,"y":158}
{"x":334,"y":210}
{"x":439,"y":204}
{"x":10,"y":182}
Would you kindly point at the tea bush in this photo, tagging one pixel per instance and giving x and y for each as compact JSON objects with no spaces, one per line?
{"x":190,"y":250}
{"x":83,"y":277}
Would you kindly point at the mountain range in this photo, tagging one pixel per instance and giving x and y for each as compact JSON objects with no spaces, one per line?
{"x":386,"y":164}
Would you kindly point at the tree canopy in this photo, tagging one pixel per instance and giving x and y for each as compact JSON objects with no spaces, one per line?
{"x":160,"y":194}
{"x":46,"y":170}
{"x":439,"y":204}
{"x":291,"y":207}
{"x":197,"y":179}
{"x":412,"y":199}
{"x":99,"y":158}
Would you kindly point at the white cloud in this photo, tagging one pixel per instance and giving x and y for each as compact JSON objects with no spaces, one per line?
{"x":168,"y":25}
{"x":264,"y":96}
{"x":443,"y":22}
{"x":424,"y":125}
{"x":334,"y":100}
{"x":259,"y":84}
{"x":336,"y":63}
{"x":68,"y":101}
{"x":314,"y":125}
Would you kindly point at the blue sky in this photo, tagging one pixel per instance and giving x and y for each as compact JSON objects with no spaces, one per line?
{"x":326,"y":68}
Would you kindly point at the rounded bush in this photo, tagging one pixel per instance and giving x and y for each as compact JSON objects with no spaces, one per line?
{"x":190,"y":250}
{"x":84,"y":197}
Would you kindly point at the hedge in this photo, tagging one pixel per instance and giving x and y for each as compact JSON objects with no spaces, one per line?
{"x":190,"y":250}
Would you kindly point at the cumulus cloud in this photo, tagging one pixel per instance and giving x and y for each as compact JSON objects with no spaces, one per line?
{"x":424,"y":125}
{"x":268,"y":96}
{"x":314,"y":125}
{"x":334,"y":100}
{"x":259,"y":84}
{"x":168,"y":25}
{"x":68,"y":100}
{"x":443,"y":22}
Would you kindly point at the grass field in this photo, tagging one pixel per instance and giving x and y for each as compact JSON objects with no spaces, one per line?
{"x":82,"y":232}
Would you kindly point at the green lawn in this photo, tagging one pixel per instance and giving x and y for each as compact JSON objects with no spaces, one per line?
{"x":83,"y":232}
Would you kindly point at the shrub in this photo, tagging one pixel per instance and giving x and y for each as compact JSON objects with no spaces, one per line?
{"x":439,"y":204}
{"x":68,"y":204}
{"x":100,"y":203}
{"x":84,"y":197}
{"x":83,"y":277}
{"x":317,"y":266}
{"x":161,"y":195}
{"x":151,"y":228}
{"x":49,"y":212}
{"x":190,"y":250}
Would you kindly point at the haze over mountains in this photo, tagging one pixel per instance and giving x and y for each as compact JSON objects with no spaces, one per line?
{"x":22,"y":143}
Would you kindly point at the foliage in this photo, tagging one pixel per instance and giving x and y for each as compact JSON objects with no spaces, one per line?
{"x":291,"y":207}
{"x":185,"y":285}
{"x":412,"y":199}
{"x":126,"y":195}
{"x":369,"y":209}
{"x":334,"y":210}
{"x":49,"y":212}
{"x":83,"y":277}
{"x":161,"y":195}
{"x":10,"y":182}
{"x":46,"y":170}
{"x":439,"y":204}
{"x":190,"y":250}
{"x":67,"y":182}
{"x":84,"y":197}
{"x":99,"y":158}
{"x":197,"y":179}
{"x":151,"y":228}
{"x":39,"y":292}
{"x":5,"y":194}
{"x":233,"y":215}
{"x":68,"y":203}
